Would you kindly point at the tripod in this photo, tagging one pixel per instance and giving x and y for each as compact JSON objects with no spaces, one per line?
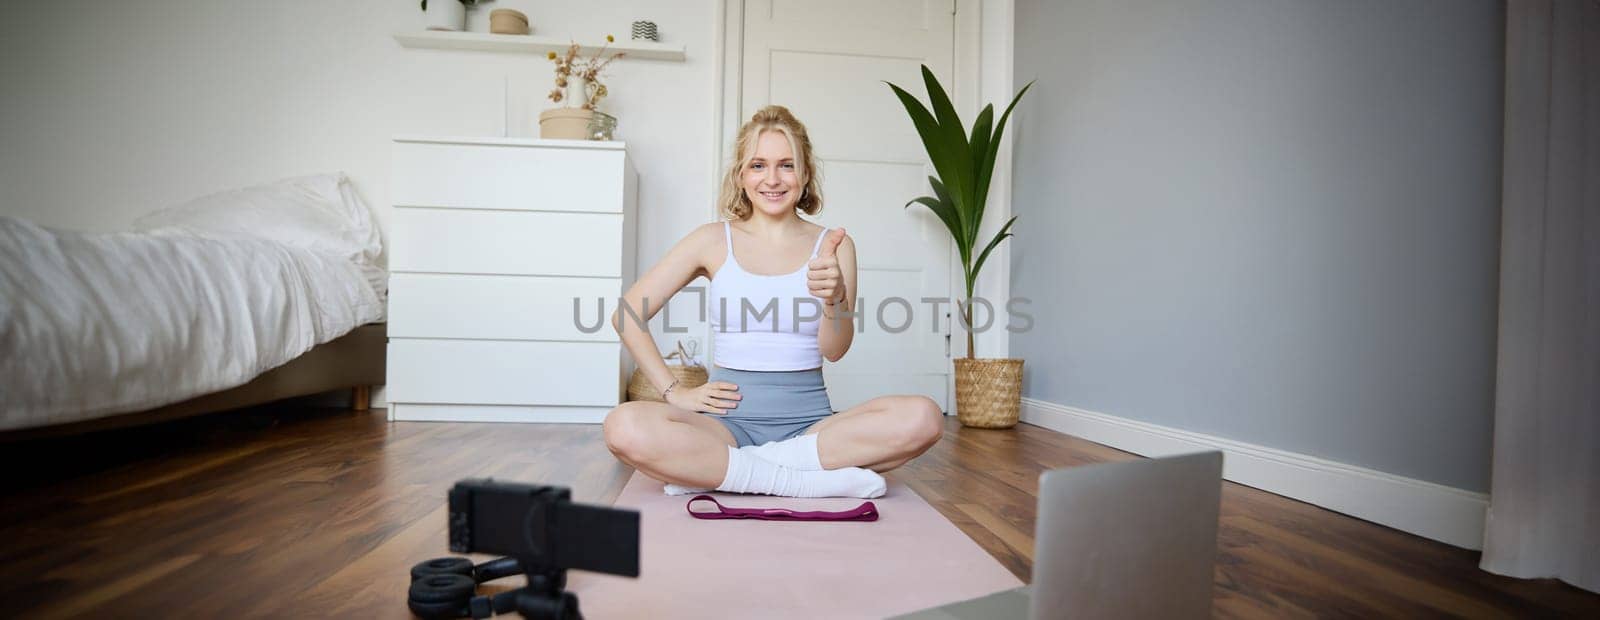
{"x":447,"y":588}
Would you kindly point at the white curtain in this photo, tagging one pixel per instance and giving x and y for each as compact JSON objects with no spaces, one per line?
{"x":1544,"y":506}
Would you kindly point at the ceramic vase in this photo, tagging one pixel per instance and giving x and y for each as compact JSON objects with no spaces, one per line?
{"x":448,"y":15}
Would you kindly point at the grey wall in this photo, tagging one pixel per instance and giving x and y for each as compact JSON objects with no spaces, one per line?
{"x":1272,"y":221}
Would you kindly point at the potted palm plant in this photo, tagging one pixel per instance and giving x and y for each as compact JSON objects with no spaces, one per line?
{"x":988,"y":391}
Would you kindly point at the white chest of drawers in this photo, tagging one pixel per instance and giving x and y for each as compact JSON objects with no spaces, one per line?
{"x":491,"y":242}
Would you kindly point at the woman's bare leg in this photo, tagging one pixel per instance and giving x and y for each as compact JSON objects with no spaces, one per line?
{"x":669,"y":444}
{"x":880,"y":434}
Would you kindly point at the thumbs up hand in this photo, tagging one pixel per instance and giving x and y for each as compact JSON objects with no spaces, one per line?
{"x":823,"y":277}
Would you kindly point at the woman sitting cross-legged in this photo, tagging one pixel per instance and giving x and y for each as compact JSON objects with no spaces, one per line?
{"x":782,"y":294}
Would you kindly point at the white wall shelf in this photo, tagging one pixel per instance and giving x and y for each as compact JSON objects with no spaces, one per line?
{"x":530,"y":44}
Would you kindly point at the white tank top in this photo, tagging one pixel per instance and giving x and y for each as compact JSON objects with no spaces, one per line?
{"x":757,"y":322}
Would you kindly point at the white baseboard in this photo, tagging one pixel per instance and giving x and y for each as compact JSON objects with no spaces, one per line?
{"x":1430,"y":510}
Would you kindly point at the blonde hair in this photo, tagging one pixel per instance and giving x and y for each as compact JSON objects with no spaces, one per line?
{"x":733,"y":203}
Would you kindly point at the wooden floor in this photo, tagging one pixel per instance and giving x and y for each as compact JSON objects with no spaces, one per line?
{"x":289,"y":512}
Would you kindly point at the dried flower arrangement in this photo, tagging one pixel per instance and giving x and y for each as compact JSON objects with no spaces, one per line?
{"x":587,"y":69}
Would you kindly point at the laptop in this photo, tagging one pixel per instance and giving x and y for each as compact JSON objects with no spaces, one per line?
{"x":1135,"y":539}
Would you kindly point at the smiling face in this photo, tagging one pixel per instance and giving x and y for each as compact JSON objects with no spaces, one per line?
{"x":771,"y":179}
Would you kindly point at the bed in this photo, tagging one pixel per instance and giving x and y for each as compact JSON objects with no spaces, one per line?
{"x":234,"y":299}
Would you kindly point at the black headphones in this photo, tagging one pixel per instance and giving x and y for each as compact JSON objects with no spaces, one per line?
{"x":448,"y":587}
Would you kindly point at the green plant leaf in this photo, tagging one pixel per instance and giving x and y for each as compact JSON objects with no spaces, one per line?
{"x":946,"y":159}
{"x":980,"y":147}
{"x":998,"y":237}
{"x":964,"y":238}
{"x":943,"y":210}
{"x":986,"y":170}
{"x":944,"y":197}
{"x":981,"y":130}
{"x":950,"y":131}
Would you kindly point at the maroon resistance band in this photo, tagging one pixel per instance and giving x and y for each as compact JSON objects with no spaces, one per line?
{"x":867,"y":511}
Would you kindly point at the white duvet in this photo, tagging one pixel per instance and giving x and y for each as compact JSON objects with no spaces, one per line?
{"x":97,"y":324}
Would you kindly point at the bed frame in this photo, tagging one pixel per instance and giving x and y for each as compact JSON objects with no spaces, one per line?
{"x":354,"y":360}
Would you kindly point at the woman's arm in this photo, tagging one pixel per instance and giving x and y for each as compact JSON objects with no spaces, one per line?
{"x":838,"y":267}
{"x":682,"y":264}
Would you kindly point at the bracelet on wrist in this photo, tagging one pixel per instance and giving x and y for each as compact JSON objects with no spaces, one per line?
{"x":670,"y":387}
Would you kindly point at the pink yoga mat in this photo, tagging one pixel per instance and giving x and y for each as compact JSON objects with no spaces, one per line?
{"x":911,"y":558}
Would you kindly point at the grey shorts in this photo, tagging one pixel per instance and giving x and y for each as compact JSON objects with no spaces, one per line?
{"x":776,"y":405}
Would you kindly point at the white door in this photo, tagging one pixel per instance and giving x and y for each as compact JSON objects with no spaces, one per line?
{"x":827,"y":61}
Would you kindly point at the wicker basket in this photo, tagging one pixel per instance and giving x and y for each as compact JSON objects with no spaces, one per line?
{"x":688,"y":376}
{"x":639,"y":387}
{"x":508,"y":21}
{"x":988,"y":392}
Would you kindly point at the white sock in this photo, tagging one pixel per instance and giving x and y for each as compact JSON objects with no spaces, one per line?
{"x":674,"y":489}
{"x":795,"y":453}
{"x":748,"y":473}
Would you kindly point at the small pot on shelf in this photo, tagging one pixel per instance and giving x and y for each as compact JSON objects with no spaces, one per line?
{"x":446,"y":15}
{"x":508,"y":21}
{"x":602,"y":126}
{"x":565,"y":123}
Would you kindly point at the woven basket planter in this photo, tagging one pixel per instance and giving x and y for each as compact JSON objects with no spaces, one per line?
{"x":988,"y":392}
{"x":639,"y":387}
